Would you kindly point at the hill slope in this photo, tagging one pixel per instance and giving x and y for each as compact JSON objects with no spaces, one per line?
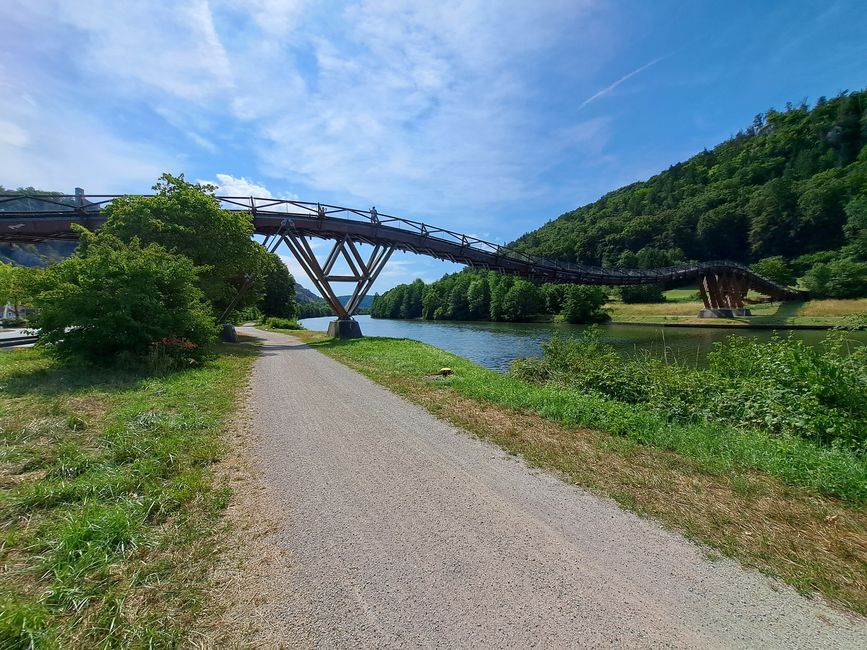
{"x":793,"y":184}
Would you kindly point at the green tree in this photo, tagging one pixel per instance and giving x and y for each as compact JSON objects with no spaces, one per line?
{"x":775,"y":268}
{"x":16,"y":286}
{"x":479,"y":298}
{"x":499,"y":288}
{"x":278,"y":297}
{"x":112,"y":297}
{"x":841,"y":278}
{"x":584,"y":304}
{"x":856,"y":226}
{"x":521,"y":301}
{"x":185,"y":218}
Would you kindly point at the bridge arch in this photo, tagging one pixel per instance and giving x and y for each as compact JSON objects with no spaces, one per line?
{"x":723,"y":284}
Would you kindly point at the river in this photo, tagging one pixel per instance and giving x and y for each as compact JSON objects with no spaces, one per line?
{"x":495,"y":345}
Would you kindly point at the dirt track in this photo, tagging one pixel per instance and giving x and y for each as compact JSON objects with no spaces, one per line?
{"x":401,"y":530}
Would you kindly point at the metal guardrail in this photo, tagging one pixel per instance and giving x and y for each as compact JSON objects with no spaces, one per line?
{"x":15,"y":341}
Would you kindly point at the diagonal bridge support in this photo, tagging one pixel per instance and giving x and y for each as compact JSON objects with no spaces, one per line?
{"x":362,"y":272}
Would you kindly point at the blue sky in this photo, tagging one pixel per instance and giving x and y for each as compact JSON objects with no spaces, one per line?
{"x":489,"y":118}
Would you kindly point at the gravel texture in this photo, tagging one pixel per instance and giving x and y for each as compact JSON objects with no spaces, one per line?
{"x":401,"y":530}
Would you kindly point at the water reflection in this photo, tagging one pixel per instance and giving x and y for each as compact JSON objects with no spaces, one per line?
{"x":495,"y":345}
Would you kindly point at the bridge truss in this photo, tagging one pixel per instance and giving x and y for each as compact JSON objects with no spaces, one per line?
{"x":723,"y":284}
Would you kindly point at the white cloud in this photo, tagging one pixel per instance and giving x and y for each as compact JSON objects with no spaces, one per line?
{"x":170,"y":47}
{"x":12,"y":134}
{"x":422,"y":105}
{"x":419,"y":108}
{"x":228,"y":185}
{"x":47,"y":145}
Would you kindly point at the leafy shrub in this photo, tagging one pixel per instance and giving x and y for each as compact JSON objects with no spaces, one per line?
{"x":283,"y":324}
{"x":112,"y":298}
{"x":185,"y":218}
{"x":641,"y":293}
{"x":775,"y":268}
{"x":584,"y":304}
{"x":782,"y":387}
{"x":841,"y":278}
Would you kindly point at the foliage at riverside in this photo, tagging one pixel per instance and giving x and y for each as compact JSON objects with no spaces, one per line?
{"x":185,"y":218}
{"x":111,"y":298}
{"x":782,"y":388}
{"x":474,"y":295}
{"x":153,"y":280}
{"x":793,"y":186}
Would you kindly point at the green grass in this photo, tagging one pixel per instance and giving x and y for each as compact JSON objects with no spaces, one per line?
{"x":108,"y":503}
{"x":716,"y":447}
{"x":682,"y":307}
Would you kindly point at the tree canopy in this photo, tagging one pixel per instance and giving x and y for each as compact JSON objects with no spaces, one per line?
{"x":278,"y":297}
{"x":475,"y":295}
{"x":185,"y":218}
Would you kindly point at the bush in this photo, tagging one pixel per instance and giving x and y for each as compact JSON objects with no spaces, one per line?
{"x":776,"y":269}
{"x":584,"y":304}
{"x":185,"y":218}
{"x":782,"y":387}
{"x":113,"y":298}
{"x":283,"y":324}
{"x":641,"y":293}
{"x":842,"y":278}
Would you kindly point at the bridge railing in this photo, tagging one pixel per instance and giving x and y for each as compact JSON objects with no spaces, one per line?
{"x":86,"y":205}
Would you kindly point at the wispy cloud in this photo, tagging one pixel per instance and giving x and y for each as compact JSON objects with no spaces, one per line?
{"x":610,"y":88}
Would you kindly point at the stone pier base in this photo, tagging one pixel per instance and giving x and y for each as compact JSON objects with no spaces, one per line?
{"x":344,"y":329}
{"x":724,"y":313}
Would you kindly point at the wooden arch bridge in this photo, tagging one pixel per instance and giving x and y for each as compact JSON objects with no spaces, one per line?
{"x":723,"y":284}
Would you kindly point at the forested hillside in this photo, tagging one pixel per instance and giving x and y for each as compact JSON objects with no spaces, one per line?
{"x":792,"y":186}
{"x":788,"y":195}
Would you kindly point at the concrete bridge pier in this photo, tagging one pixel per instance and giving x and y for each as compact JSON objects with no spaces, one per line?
{"x":344,"y":328}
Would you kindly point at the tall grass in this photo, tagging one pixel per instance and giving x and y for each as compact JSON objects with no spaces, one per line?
{"x":108,"y":504}
{"x":781,"y":387}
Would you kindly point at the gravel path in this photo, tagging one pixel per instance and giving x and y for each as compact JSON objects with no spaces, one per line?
{"x":403,"y":531}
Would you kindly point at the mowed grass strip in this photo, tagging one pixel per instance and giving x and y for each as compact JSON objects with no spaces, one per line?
{"x":682,"y":306}
{"x":107,"y":501}
{"x":781,"y":505}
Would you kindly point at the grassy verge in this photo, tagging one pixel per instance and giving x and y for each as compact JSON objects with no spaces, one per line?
{"x":108,"y":506}
{"x":779,"y":504}
{"x":682,"y":307}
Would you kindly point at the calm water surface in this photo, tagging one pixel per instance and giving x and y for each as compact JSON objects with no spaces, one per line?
{"x":495,"y":345}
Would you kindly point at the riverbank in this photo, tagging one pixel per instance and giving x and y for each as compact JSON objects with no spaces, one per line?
{"x":768,"y":502}
{"x":682,"y":306}
{"x":110,"y":504}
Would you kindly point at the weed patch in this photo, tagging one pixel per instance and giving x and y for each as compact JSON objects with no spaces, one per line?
{"x":108,"y":505}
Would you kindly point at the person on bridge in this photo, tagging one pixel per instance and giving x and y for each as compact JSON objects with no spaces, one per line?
{"x":374,"y":215}
{"x":320,"y":210}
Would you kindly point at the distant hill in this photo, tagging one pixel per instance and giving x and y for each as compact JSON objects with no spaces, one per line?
{"x":305,"y":295}
{"x":366,"y":302}
{"x":794,"y":184}
{"x":41,"y":254}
